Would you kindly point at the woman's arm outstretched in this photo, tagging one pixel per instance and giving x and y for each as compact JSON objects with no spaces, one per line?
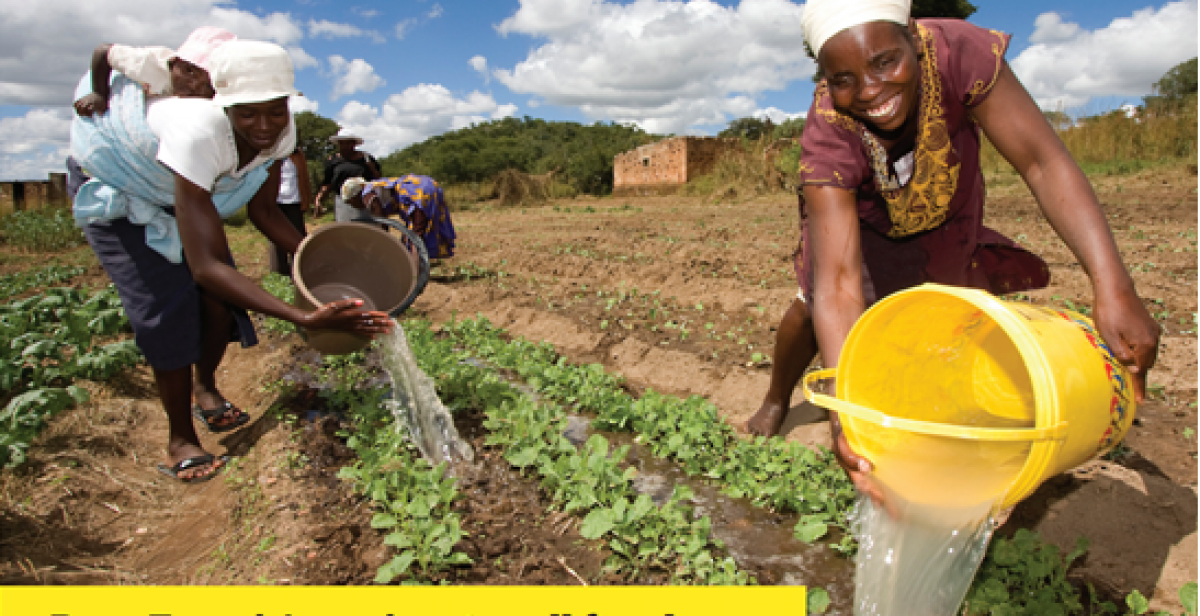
{"x":207,"y":252}
{"x":1016,"y":126}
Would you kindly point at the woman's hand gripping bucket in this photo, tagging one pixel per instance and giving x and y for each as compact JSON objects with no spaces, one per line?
{"x":985,"y":399}
{"x":356,"y":260}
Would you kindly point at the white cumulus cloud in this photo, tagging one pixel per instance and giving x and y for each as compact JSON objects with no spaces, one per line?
{"x":668,"y":66}
{"x":777,"y":115}
{"x":1050,"y":28}
{"x":46,"y":46}
{"x":37,"y":128}
{"x":33,"y":145}
{"x":301,"y":60}
{"x":479,"y":63}
{"x":350,"y":76}
{"x":507,"y":110}
{"x":296,"y":104}
{"x":1068,"y":65}
{"x":417,"y":113}
{"x":278,"y":28}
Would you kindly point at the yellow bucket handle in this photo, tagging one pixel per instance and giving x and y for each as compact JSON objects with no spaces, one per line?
{"x":1054,"y":433}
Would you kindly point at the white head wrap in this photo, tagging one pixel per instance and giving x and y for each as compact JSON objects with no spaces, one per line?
{"x":824,"y":18}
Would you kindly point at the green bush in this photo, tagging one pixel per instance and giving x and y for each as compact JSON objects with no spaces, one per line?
{"x":578,"y":155}
{"x":44,"y":230}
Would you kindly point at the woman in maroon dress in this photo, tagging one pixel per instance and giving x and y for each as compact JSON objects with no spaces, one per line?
{"x":892,"y":193}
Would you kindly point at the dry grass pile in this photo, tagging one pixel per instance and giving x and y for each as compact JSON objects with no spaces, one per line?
{"x":510,"y":187}
{"x":513,"y":187}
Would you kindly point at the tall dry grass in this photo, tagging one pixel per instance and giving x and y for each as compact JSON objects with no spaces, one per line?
{"x":509,"y":187}
{"x":1114,"y":144}
{"x":749,"y":169}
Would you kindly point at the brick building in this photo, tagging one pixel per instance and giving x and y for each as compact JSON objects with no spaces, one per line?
{"x":662,"y":167}
{"x":16,"y":196}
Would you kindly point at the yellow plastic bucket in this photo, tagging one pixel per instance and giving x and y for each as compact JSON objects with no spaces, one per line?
{"x":960,"y":398}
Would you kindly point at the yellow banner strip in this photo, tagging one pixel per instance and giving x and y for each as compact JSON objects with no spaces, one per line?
{"x":396,"y":601}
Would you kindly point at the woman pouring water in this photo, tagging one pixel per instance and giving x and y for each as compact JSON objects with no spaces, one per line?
{"x":165,"y":174}
{"x":892,"y":193}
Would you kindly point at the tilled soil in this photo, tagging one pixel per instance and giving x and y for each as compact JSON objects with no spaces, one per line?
{"x":677,"y":294}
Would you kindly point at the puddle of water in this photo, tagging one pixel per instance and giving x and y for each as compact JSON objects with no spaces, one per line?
{"x":759,"y":540}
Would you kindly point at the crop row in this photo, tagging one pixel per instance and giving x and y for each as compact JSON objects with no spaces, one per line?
{"x":47,"y":342}
{"x":587,"y":481}
{"x":53,"y":274}
{"x":771,"y":472}
{"x":415,"y":498}
{"x":412,"y":496}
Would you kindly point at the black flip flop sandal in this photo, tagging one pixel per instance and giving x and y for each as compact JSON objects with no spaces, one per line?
{"x":193,"y":462}
{"x":207,"y":416}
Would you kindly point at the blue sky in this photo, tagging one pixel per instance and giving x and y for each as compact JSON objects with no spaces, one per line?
{"x":399,"y":72}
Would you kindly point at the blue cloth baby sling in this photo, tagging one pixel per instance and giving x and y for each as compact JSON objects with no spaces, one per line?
{"x":120,"y":152}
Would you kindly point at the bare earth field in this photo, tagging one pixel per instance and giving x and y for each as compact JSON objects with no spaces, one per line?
{"x":677,"y":294}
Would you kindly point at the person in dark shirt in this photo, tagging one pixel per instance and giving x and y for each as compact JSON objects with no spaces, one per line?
{"x":347,"y":163}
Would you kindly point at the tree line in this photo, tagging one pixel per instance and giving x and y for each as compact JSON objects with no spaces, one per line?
{"x":577,"y":154}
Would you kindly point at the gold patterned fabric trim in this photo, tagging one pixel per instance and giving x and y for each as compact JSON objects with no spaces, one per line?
{"x":831,"y":115}
{"x":979,"y":87}
{"x":923,"y":203}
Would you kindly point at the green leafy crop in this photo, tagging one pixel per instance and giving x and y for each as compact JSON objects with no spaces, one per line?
{"x":773,"y":473}
{"x":48,"y":341}
{"x":1025,"y":575}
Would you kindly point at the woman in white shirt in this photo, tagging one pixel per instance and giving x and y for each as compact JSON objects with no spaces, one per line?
{"x":157,"y":230}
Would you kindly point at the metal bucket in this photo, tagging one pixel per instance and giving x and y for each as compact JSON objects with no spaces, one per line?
{"x":352,"y":260}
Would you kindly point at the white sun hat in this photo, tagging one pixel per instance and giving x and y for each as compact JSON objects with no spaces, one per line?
{"x":346,"y":134}
{"x":251,"y":72}
{"x":823,"y":19}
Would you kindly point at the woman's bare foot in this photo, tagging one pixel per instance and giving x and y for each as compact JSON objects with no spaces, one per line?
{"x":767,"y":421}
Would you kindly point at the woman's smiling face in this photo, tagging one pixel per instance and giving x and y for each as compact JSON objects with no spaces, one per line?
{"x":873,"y":73}
{"x":259,"y":125}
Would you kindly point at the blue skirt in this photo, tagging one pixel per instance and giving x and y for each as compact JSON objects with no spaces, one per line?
{"x":160,"y":298}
